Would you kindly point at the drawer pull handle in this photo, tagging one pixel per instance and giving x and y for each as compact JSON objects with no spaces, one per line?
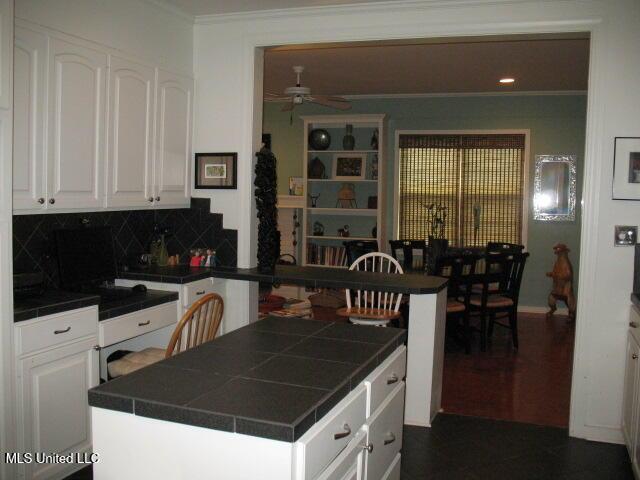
{"x":634,"y":356}
{"x":201,"y":292}
{"x":144,"y":324}
{"x":392,"y":379}
{"x":390,"y":438}
{"x":58,"y":332}
{"x":368,"y":447}
{"x":633,"y":324}
{"x":346,"y":433}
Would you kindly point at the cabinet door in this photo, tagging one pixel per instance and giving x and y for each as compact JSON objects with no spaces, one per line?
{"x":630,"y":396}
{"x":75,"y":156}
{"x":130,"y":168}
{"x":173,"y":140}
{"x":54,"y":413}
{"x":349,"y":464}
{"x":29,"y":97}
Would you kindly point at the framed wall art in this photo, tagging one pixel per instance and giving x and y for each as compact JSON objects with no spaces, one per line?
{"x":626,"y":168}
{"x":349,"y":166}
{"x":216,"y":170}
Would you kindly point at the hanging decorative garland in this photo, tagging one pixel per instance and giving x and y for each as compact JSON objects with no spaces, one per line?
{"x":266,"y":198}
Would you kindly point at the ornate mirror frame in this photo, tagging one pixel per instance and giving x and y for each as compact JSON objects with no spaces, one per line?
{"x":538,"y":211}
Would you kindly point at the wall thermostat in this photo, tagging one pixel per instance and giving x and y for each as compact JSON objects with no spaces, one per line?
{"x":625,"y":235}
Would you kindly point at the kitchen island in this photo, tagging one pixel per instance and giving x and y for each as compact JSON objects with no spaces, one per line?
{"x":427,"y":313}
{"x":277,"y":399}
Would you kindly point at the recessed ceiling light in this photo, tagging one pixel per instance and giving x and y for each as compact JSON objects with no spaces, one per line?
{"x":507,"y":80}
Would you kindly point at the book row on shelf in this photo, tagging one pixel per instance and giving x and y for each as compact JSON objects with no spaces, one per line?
{"x":326,"y":255}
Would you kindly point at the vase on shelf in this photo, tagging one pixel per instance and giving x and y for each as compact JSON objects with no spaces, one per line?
{"x":319,"y":139}
{"x":348,"y":141}
{"x":374,"y":140}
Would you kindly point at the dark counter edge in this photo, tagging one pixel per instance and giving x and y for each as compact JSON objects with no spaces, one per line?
{"x":242,"y":425}
{"x":21,"y":315}
{"x":313,"y":277}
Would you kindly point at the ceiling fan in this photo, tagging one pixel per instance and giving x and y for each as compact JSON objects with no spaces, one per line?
{"x":298,"y":95}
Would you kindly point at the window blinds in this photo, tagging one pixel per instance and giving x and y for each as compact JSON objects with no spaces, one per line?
{"x":479,"y":178}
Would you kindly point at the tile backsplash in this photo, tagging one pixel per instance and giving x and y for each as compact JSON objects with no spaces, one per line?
{"x":133,"y":231}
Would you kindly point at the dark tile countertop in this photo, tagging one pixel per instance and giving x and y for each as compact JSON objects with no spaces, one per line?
{"x":57,"y":301}
{"x":292,"y":275}
{"x":50,"y":302}
{"x":273,"y":379}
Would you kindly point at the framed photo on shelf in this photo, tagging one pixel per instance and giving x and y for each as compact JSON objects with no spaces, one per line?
{"x":296,"y":186}
{"x":349,"y":166}
{"x":626,"y":168}
{"x":216,"y":170}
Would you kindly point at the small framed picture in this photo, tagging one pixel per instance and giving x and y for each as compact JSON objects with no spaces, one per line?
{"x":349,"y":166}
{"x":626,"y":168}
{"x":216,"y":170}
{"x":296,"y":186}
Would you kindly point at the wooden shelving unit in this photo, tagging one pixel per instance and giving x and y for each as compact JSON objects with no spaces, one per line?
{"x":360,"y":220}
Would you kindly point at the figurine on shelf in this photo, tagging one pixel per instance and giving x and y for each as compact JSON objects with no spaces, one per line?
{"x":562,"y":275}
{"x":344,"y":231}
{"x":374,"y":167}
{"x":196,"y":257}
{"x":347,"y":196}
{"x":318,"y":229}
{"x":211,"y":259}
{"x":374,"y":140}
{"x":314,"y":200}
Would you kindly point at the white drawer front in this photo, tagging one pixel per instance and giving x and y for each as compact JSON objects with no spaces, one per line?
{"x":385,"y":434}
{"x":195,"y":290}
{"x":349,"y":464}
{"x":136,"y":323}
{"x":56,"y":329}
{"x":393,"y":472}
{"x":385,"y":378}
{"x":317,"y":448}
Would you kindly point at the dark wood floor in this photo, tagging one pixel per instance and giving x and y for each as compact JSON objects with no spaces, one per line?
{"x":532,"y":385}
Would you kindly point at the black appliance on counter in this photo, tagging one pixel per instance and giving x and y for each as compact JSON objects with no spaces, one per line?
{"x":636,"y":270}
{"x":28,"y":285}
{"x":87,"y":261}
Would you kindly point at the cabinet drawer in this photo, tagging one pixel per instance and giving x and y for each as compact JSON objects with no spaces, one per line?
{"x":393,"y":472}
{"x":317,"y":448}
{"x":385,"y":378}
{"x":385,"y":434}
{"x":348,"y":465}
{"x":56,"y":329}
{"x":196,"y":290}
{"x":136,"y":323}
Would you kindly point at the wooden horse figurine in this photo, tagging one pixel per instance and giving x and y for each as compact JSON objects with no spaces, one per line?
{"x":562,"y":275}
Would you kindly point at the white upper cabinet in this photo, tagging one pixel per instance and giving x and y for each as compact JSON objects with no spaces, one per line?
{"x":173,"y":139}
{"x":30,"y":70}
{"x":75,"y":152}
{"x":130,"y":148}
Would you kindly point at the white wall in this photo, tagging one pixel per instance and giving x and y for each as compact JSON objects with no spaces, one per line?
{"x":225,"y":121}
{"x":136,"y":27}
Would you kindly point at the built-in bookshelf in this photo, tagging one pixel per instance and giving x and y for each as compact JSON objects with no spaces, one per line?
{"x":364,"y":213}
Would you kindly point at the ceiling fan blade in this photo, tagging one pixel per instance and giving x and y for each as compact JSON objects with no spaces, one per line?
{"x":333,"y":99}
{"x":288,"y":107}
{"x":276,"y":98}
{"x":329,"y":103}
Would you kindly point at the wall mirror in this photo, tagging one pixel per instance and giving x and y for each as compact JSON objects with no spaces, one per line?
{"x":554,"y":198}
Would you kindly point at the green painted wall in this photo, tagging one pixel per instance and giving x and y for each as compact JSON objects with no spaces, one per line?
{"x":556,"y":123}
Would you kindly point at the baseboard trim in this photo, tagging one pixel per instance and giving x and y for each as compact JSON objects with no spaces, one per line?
{"x":532,"y":309}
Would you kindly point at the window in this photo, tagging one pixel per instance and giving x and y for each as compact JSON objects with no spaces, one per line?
{"x":478,"y":178}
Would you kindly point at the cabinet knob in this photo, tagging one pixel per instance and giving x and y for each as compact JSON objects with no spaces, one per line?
{"x":633,"y":324}
{"x":368,"y":447}
{"x":52,"y":201}
{"x":634,"y":356}
{"x":41,"y":200}
{"x":150,"y":199}
{"x":157,"y":199}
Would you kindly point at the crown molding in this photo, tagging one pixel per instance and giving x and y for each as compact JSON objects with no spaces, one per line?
{"x":352,"y":8}
{"x":172,"y":9}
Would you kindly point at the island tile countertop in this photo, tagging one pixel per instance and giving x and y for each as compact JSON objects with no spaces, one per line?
{"x":273,"y":379}
{"x":58,"y":301}
{"x":408,"y":283}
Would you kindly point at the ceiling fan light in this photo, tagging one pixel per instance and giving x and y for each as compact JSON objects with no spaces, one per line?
{"x":297,"y":100}
{"x":507,"y":80}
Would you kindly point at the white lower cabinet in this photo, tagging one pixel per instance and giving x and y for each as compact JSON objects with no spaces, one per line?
{"x":348,"y":444}
{"x":631,"y":399}
{"x":53,"y":413}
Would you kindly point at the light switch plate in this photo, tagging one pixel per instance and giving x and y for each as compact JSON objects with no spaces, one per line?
{"x":625,"y":235}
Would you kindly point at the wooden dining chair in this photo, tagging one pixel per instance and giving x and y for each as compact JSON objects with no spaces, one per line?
{"x":500,"y":294}
{"x":366,"y":307}
{"x":198,"y":325}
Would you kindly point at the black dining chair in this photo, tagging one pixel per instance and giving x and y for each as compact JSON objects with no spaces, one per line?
{"x":500,"y":293}
{"x":412,"y":254}
{"x":503,"y":247}
{"x":357,"y":248}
